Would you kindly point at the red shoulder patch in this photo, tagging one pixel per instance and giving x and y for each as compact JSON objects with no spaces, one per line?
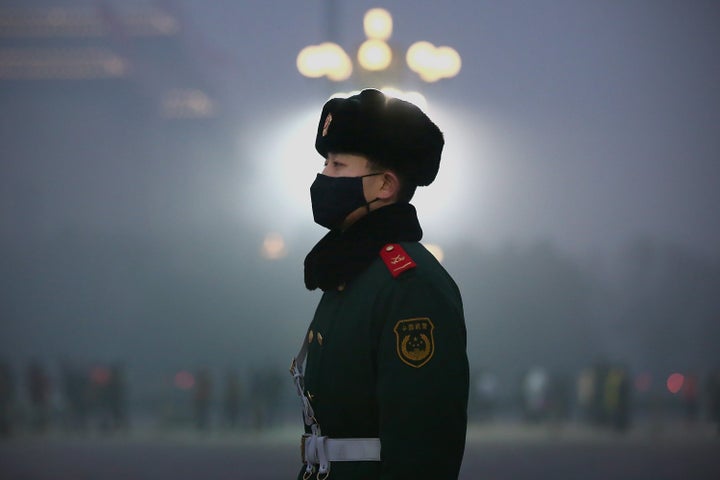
{"x":396,"y":259}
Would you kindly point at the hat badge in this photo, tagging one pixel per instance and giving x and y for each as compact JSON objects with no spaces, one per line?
{"x":328,"y":119}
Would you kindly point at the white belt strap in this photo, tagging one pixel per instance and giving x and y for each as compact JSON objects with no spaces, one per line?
{"x":340,"y":449}
{"x":296,"y":370}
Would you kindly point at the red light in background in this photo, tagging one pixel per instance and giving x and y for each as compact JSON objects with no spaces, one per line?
{"x":184,"y":380}
{"x":100,"y":375}
{"x":675,"y":382}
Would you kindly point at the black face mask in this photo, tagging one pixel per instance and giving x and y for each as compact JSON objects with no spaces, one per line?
{"x":333,"y":198}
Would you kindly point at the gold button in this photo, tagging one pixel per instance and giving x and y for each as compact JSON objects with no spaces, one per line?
{"x":320,"y":338}
{"x":389,"y":248}
{"x":341,"y":287}
{"x":311,"y":335}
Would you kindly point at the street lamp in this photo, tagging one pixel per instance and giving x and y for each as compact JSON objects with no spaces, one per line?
{"x":327,"y":59}
{"x":375,"y":55}
{"x":378,"y":24}
{"x":433,"y":63}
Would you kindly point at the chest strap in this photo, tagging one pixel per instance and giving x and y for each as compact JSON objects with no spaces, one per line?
{"x":317,"y":449}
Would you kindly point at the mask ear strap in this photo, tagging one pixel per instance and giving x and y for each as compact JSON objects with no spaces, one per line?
{"x":367,"y":204}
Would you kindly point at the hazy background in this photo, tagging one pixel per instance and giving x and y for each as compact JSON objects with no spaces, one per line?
{"x":577,"y":202}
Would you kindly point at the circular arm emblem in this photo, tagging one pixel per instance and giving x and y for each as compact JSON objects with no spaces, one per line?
{"x":414,"y":341}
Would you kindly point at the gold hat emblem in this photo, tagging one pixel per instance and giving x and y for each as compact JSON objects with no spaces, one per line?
{"x":328,"y":119}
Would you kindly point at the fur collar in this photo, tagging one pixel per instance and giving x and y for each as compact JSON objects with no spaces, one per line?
{"x":340,"y":256}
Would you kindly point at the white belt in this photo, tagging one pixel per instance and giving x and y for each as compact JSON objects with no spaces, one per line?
{"x":318,"y":450}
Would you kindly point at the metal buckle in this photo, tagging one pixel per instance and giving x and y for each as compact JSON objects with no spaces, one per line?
{"x":302,"y":447}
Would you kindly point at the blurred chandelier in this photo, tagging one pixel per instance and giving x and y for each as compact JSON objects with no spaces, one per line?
{"x":329,"y":59}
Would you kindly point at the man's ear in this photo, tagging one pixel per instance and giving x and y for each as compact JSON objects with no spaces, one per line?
{"x":390,"y":186}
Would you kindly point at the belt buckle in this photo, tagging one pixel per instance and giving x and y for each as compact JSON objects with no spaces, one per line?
{"x":302,"y":446}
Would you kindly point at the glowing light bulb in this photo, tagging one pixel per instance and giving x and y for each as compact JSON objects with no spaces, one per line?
{"x":378,"y":24}
{"x":374,"y":55}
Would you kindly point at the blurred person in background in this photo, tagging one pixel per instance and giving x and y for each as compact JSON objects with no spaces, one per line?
{"x":617,"y":398}
{"x":386,"y":367}
{"x":7,"y":399}
{"x":535,"y":386}
{"x":483,"y":395}
{"x":585,"y":387}
{"x":265,"y":394}
{"x":201,"y":399}
{"x":38,"y":385}
{"x":713,"y":395}
{"x":232,"y":398}
{"x":559,"y":399}
{"x":77,"y":392}
{"x":691,"y":398}
{"x":117,"y":397}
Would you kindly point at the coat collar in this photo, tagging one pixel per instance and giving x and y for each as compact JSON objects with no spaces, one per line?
{"x":342,"y":255}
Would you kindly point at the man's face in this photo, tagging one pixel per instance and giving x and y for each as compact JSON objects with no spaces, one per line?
{"x":351,"y":165}
{"x":345,"y":165}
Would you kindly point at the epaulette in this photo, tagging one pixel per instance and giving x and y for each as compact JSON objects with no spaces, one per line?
{"x":396,"y":259}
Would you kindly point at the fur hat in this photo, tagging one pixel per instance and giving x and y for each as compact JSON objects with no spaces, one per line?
{"x":391,"y":132}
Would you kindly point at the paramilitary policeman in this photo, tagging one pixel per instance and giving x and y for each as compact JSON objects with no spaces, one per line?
{"x":383,"y":370}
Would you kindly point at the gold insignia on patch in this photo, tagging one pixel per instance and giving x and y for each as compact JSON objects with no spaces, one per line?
{"x":415,"y":342}
{"x":326,"y":125}
{"x":396,"y":260}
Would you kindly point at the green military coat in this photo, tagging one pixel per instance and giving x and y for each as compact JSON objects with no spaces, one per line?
{"x":387,"y":358}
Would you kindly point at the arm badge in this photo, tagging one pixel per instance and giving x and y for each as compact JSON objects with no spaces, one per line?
{"x":414,"y":341}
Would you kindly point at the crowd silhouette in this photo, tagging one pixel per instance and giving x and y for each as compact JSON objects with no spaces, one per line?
{"x":93,"y":397}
